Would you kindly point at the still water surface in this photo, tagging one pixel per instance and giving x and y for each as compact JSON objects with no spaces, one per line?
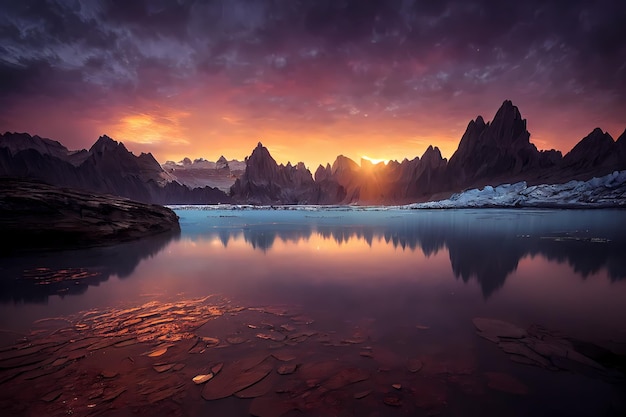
{"x":378,"y":288}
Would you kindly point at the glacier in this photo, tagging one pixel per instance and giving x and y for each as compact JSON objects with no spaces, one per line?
{"x":608,"y":191}
{"x":600,"y":192}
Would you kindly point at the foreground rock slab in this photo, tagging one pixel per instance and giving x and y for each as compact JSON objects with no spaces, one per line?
{"x":538,"y":346}
{"x":35,"y":215}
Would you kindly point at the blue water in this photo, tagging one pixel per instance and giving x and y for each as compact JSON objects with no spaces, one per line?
{"x":413,"y":279}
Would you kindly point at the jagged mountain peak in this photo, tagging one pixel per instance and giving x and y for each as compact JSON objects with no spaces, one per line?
{"x":261,"y":156}
{"x":342,"y":164}
{"x":105,"y":143}
{"x":508,"y":125}
{"x":595,"y":138}
{"x":491,"y":150}
{"x":595,"y":149}
{"x":265,"y":181}
{"x":621,"y":139}
{"x":16,"y":142}
{"x":432,"y":153}
{"x":147,"y":156}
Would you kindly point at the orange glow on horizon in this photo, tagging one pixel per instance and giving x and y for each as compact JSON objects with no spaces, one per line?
{"x":374,"y":160}
{"x":173,"y":135}
{"x":196,"y":125}
{"x":146,"y":129}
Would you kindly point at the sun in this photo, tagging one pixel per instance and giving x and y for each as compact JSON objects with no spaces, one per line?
{"x":373,"y":160}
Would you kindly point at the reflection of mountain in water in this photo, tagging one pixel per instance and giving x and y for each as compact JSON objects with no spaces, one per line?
{"x":34,"y":277}
{"x":484,"y":244}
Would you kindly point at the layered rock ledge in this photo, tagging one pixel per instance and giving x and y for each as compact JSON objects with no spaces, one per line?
{"x":35,"y":215}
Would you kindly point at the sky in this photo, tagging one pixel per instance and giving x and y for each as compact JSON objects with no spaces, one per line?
{"x":310,"y":79}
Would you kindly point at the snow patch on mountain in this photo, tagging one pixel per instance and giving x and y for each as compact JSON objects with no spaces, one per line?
{"x":606,"y":191}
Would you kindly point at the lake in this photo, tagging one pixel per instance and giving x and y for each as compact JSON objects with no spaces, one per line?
{"x":343,"y":311}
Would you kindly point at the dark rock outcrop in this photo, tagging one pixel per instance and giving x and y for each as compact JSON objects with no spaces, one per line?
{"x":35,"y":215}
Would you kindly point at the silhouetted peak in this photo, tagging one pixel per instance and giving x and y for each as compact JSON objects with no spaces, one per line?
{"x":474,"y":129}
{"x":261,"y":162}
{"x":343,"y":163}
{"x":222,"y":164}
{"x":322,"y":173}
{"x":22,"y":141}
{"x":105,"y":143}
{"x":148,"y":157}
{"x":593,"y":150}
{"x":432,"y":152}
{"x":104,"y":139}
{"x":261,"y":157}
{"x":432,"y":157}
{"x":393,"y":163}
{"x":596,"y":132}
{"x":621,"y":140}
{"x":18,"y":135}
{"x":508,"y":112}
{"x":598,"y":136}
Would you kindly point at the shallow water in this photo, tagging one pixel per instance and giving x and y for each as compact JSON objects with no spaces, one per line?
{"x":377,"y":288}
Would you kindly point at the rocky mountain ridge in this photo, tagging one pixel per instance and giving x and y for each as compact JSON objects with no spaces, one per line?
{"x":200,"y":173}
{"x":264,"y":181}
{"x":489,"y":153}
{"x":107,"y":167}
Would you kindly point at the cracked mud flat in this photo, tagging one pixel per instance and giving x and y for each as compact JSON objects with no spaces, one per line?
{"x":208,"y":355}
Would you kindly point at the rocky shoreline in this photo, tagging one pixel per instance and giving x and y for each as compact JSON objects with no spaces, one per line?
{"x":211,"y":356}
{"x":35,"y":216}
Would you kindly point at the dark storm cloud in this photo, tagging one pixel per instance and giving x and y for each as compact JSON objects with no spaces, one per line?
{"x":393,"y":50}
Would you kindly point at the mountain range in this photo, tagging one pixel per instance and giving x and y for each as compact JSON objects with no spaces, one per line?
{"x":107,"y":167}
{"x":489,"y":153}
{"x":201,"y":173}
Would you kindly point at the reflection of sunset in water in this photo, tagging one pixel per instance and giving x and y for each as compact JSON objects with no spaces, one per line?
{"x":336,"y":295}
